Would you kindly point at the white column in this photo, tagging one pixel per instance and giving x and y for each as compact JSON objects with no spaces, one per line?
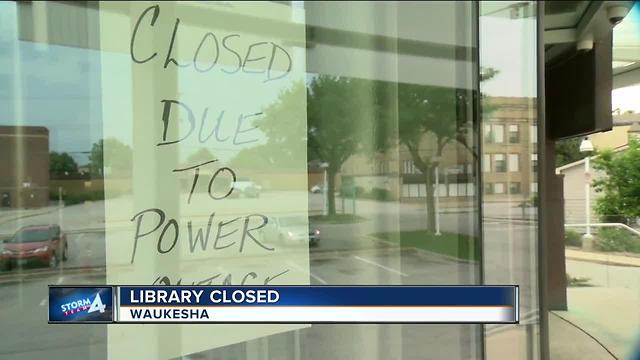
{"x":587,"y":195}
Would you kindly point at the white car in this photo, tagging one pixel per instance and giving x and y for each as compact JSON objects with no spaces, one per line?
{"x":246,"y":188}
{"x":290,"y":230}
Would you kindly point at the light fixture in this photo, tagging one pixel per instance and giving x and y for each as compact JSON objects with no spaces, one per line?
{"x":586,"y":145}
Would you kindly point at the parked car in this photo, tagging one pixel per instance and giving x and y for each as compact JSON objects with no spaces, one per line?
{"x":45,"y":244}
{"x":247,"y":188}
{"x":291,"y":230}
{"x":4,"y":262}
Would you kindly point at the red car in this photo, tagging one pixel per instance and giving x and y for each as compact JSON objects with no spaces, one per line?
{"x":45,"y":244}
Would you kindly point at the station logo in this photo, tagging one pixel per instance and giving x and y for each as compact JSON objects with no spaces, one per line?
{"x":80,"y":304}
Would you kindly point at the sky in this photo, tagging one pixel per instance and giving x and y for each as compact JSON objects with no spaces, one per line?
{"x":61,"y":87}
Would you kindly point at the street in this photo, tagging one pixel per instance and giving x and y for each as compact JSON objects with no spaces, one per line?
{"x":347,"y":254}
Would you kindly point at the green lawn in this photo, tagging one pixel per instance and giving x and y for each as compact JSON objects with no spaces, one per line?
{"x":455,"y":245}
{"x":336,"y":219}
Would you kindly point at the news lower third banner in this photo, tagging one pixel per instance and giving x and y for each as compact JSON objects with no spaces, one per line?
{"x":283,"y":304}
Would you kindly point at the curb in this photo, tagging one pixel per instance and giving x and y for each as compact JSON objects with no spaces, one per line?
{"x":41,"y":274}
{"x":601,"y":262}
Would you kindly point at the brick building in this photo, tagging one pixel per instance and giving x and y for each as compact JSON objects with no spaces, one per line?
{"x":24,"y":155}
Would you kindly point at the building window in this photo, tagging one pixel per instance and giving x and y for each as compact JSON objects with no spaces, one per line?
{"x":533,"y":135}
{"x":514,"y":163}
{"x":497,"y":132}
{"x":486,"y":163}
{"x":498,"y":188}
{"x":381,"y":167}
{"x":514,"y":188}
{"x":487,"y":134}
{"x":488,"y":188}
{"x":514,"y":134}
{"x":493,"y":134}
{"x":453,"y":189}
{"x":442,"y":189}
{"x":462,"y":189}
{"x":408,"y":167}
{"x":471,"y":190}
{"x":534,"y":187}
{"x":500,"y":163}
{"x":534,"y":162}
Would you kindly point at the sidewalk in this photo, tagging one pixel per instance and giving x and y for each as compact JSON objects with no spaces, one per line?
{"x":602,"y":257}
{"x":610,"y":315}
{"x":568,"y":342}
{"x":14,"y":214}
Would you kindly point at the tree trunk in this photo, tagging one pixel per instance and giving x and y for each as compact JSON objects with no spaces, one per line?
{"x":431,"y":209}
{"x":331,"y":191}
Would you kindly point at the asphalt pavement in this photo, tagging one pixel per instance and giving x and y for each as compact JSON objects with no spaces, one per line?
{"x":347,"y":254}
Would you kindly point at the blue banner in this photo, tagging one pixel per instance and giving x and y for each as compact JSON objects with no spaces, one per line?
{"x":319,"y":296}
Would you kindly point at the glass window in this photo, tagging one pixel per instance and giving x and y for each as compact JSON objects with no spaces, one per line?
{"x":486,"y":162}
{"x":514,"y":134}
{"x":500,"y":163}
{"x":488,"y":188}
{"x":326,"y":112}
{"x":534,"y":162}
{"x":488,"y":135}
{"x":533,"y":134}
{"x":514,"y":188}
{"x":497,"y":132}
{"x":462,"y":189}
{"x":443,"y":189}
{"x":510,"y":248}
{"x":514,"y":162}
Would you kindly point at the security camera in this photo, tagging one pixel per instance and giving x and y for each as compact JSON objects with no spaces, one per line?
{"x":616,"y":14}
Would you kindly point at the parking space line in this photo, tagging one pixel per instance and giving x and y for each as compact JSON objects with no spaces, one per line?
{"x":319,"y":279}
{"x":44,"y":301}
{"x":380,"y":266}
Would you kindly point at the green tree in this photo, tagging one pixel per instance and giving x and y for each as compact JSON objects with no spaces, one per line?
{"x":620,"y":187}
{"x":200,"y":156}
{"x":440,"y":115}
{"x":568,"y":151}
{"x":62,"y":165}
{"x":340,"y":119}
{"x":284,"y":125}
{"x":338,"y":123}
{"x":119,"y":159}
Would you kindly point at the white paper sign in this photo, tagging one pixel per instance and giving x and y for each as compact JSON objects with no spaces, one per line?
{"x":205,"y":165}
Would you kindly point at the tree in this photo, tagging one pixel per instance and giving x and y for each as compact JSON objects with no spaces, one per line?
{"x":200,"y":156}
{"x":338,"y":121}
{"x":441,"y":115}
{"x":284,"y":123}
{"x":568,"y":151}
{"x":340,"y":115}
{"x":621,"y":184}
{"x":62,"y":165}
{"x":119,"y":159}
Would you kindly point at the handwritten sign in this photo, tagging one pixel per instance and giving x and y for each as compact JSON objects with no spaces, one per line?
{"x":199,"y":188}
